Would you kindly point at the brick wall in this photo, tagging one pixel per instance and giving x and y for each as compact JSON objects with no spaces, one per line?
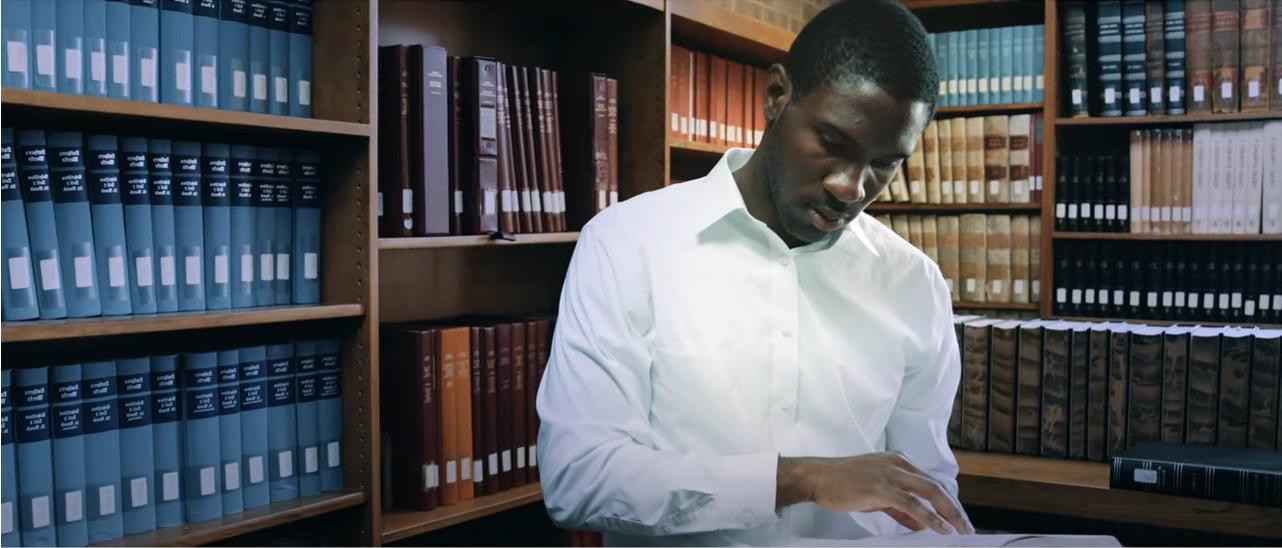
{"x":788,"y":14}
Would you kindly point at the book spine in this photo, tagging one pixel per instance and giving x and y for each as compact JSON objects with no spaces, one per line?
{"x":8,"y":467}
{"x":1173,"y":31}
{"x":258,"y":16}
{"x":95,"y":48}
{"x":1255,"y":49}
{"x":278,"y":56}
{"x":160,"y":180}
{"x":1226,"y":31}
{"x":19,"y":293}
{"x":133,"y":386}
{"x":166,"y":415}
{"x":1155,"y":56}
{"x":1001,"y":388}
{"x":118,"y":27}
{"x":189,"y":228}
{"x":519,"y":435}
{"x":139,"y":240}
{"x":1077,"y":396}
{"x":233,"y":55}
{"x":330,"y":414}
{"x":975,"y":387}
{"x":436,"y":191}
{"x":1262,"y":425}
{"x":177,"y":48}
{"x":1110,"y":57}
{"x":1199,"y":67}
{"x":477,"y":388}
{"x":215,"y":188}
{"x":490,"y":446}
{"x":107,"y":209}
{"x":69,"y":55}
{"x":396,"y":192}
{"x":72,"y":217}
{"x":1203,"y":389}
{"x":253,"y":426}
{"x":300,"y":58}
{"x":15,"y":18}
{"x":307,"y":228}
{"x":1006,"y":54}
{"x":243,"y":222}
{"x":282,"y":203}
{"x":205,"y":52}
{"x":1174,"y":386}
{"x":65,"y":411}
{"x":101,"y":455}
{"x":308,"y":426}
{"x":44,"y":20}
{"x":987,"y":66}
{"x":1134,"y":60}
{"x":229,"y":431}
{"x":282,"y":422}
{"x":34,"y":448}
{"x":1055,"y":393}
{"x":264,"y":179}
{"x":480,"y":150}
{"x":971,"y":54}
{"x":1235,"y":370}
{"x":202,"y":483}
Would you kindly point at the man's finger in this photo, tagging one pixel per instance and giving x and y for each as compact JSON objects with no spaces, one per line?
{"x":903,"y":519}
{"x":943,"y":502}
{"x":908,"y":503}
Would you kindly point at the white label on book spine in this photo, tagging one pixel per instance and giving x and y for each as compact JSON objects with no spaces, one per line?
{"x":1208,"y":300}
{"x":138,"y":492}
{"x":1085,"y":210}
{"x":98,"y":66}
{"x":1036,"y":287}
{"x":1146,"y":476}
{"x":246,"y":268}
{"x":231,"y":476}
{"x":1152,"y":299}
{"x":490,"y":202}
{"x":145,"y":273}
{"x":676,"y":123}
{"x":458,"y":202}
{"x":525,"y":200}
{"x":1020,"y":83}
{"x":997,"y":287}
{"x":1155,"y":95}
{"x":1110,"y":212}
{"x":1180,"y":299}
{"x":50,"y":278}
{"x":952,"y":284}
{"x":959,"y":187}
{"x":1173,"y":93}
{"x":311,"y":460}
{"x":1017,"y":287}
{"x":256,"y":474}
{"x":282,"y":89}
{"x":1224,"y":300}
{"x":220,"y":269}
{"x":182,"y":74}
{"x":6,"y":517}
{"x":305,"y":93}
{"x":1061,"y":295}
{"x":106,"y":500}
{"x":1168,"y":298}
{"x":282,"y":266}
{"x":1077,"y":96}
{"x":120,"y":70}
{"x":208,"y":482}
{"x":333,"y":455}
{"x":1020,"y":187}
{"x":1236,"y":300}
{"x":407,"y":201}
{"x":1123,"y":212}
{"x":168,"y":271}
{"x":975,"y":188}
{"x":168,"y":486}
{"x":1249,"y":307}
{"x":970,"y":285}
{"x":116,"y":271}
{"x":1199,"y":93}
{"x":83,"y":271}
{"x":1088,"y":295}
{"x":520,"y":457}
{"x":1136,"y":96}
{"x":17,"y":54}
{"x":1253,"y":89}
{"x":1264,"y":302}
{"x":1118,"y":296}
{"x":40,"y":511}
{"x":192,"y":270}
{"x":44,"y":60}
{"x":1006,"y":83}
{"x":971,"y":85}
{"x":1166,"y":213}
{"x":74,"y":505}
{"x":1061,"y":210}
{"x":1099,"y":211}
{"x":1103,"y":295}
{"x":239,"y":82}
{"x":914,"y":187}
{"x":1075,"y":296}
{"x":310,"y":270}
{"x":478,"y":471}
{"x":1134,"y":298}
{"x":534,"y":455}
{"x":1110,"y":96}
{"x":506,"y":457}
{"x":266,"y":272}
{"x":508,"y":200}
{"x":1072,"y":211}
{"x":1038,"y":82}
{"x":147,"y":69}
{"x":431,"y":476}
{"x":614,"y":197}
{"x":260,"y":87}
{"x":493,"y":464}
{"x":952,"y":87}
{"x":983,"y":85}
{"x":208,"y":80}
{"x":548,"y":206}
{"x":1193,"y":297}
{"x":1226,"y":90}
{"x":285,"y":464}
{"x":465,"y":469}
{"x":20,"y":271}
{"x":994,"y":186}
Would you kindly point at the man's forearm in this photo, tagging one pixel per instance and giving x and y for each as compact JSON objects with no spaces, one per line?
{"x":791,"y":484}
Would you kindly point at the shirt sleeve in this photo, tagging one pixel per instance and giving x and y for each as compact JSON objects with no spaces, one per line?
{"x":597,"y":462}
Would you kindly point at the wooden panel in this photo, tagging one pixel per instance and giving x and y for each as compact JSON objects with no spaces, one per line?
{"x":402,"y":525}
{"x":1126,"y":236}
{"x":105,"y":326}
{"x":877,"y":208}
{"x":248,"y":521}
{"x":343,"y":59}
{"x":1128,"y":121}
{"x":476,"y":241}
{"x":704,"y":26}
{"x":1051,"y":96}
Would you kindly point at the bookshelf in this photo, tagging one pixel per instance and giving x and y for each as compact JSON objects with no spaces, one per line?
{"x":476,"y":241}
{"x":878,"y":208}
{"x":984,"y":110}
{"x":1185,"y":119}
{"x":108,"y":326}
{"x":1126,"y":236}
{"x":402,"y":525}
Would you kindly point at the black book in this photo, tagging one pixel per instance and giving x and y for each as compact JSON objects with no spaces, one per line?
{"x":1062,"y":191}
{"x":1173,"y":34}
{"x":1169,"y":281}
{"x":1264,"y":289}
{"x":1251,"y":286}
{"x":1252,"y":476}
{"x":1078,"y":57}
{"x":1222,"y":278}
{"x":1122,"y":192}
{"x":1110,"y":195}
{"x":1134,"y":283}
{"x":1076,"y":197}
{"x":1100,"y":190}
{"x":1152,"y":307}
{"x":1209,"y":284}
{"x":1109,"y":58}
{"x":1089,"y":275}
{"x":1077,"y":278}
{"x":1180,"y":288}
{"x":1134,"y":58}
{"x":1087,"y":196}
{"x":1238,"y":281}
{"x":1061,"y":274}
{"x":1118,"y":274}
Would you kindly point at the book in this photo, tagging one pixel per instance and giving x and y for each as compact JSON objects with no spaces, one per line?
{"x":1226,"y":31}
{"x":308,"y":427}
{"x":430,"y":118}
{"x":8,"y":467}
{"x":139,"y":239}
{"x":177,"y":52}
{"x":1174,"y":382}
{"x":1134,"y":58}
{"x":1198,"y":58}
{"x":44,"y":18}
{"x":915,"y":166}
{"x":189,"y":226}
{"x":1217,"y":473}
{"x":998,"y":247}
{"x":457,"y":205}
{"x":265,"y":244}
{"x":1155,"y":56}
{"x":278,"y":38}
{"x":612,"y":139}
{"x":1003,"y":364}
{"x":283,"y":241}
{"x":300,"y":58}
{"x":95,"y":48}
{"x":67,"y":420}
{"x":1020,"y":242}
{"x":242,"y":219}
{"x":1019,"y":150}
{"x":1119,"y":351}
{"x":117,"y":18}
{"x":1097,"y":390}
{"x":166,"y":417}
{"x":71,"y":212}
{"x":15,"y":18}
{"x":215,"y":197}
{"x":1028,"y":392}
{"x":975,"y":376}
{"x":1234,"y":387}
{"x":679,"y":90}
{"x":108,"y":218}
{"x":1078,"y":57}
{"x":137,"y":461}
{"x":258,"y":20}
{"x":19,"y":291}
{"x":102,"y":451}
{"x":976,"y":168}
{"x":1144,"y":391}
{"x":205,"y":52}
{"x":307,"y":228}
{"x":411,"y":385}
{"x":1262,"y":423}
{"x":1056,"y":345}
{"x":1078,"y":378}
{"x":233,"y":55}
{"x":330,"y":414}
{"x":587,"y":146}
{"x":949,"y":228}
{"x":34,"y":447}
{"x":70,"y":54}
{"x":253,"y":426}
{"x":201,"y":453}
{"x":973,"y":229}
{"x":229,"y":432}
{"x":1110,"y":57}
{"x":479,"y":148}
{"x":944,"y":169}
{"x":476,"y":339}
{"x":1174,"y":55}
{"x":1203,"y":386}
{"x":1255,"y":51}
{"x":163,"y":229}
{"x":282,"y":422}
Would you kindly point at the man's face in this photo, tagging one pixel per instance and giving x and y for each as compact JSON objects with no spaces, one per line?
{"x":833,"y":153}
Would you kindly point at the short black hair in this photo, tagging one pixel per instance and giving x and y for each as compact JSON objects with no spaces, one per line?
{"x":857,"y":41}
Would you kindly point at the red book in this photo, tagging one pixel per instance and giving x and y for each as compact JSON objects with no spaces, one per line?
{"x":477,"y":384}
{"x":519,"y":439}
{"x":503,"y":343}
{"x":701,"y":92}
{"x":410,"y":393}
{"x":734,"y":103}
{"x":490,"y":412}
{"x":679,"y":93}
{"x":717,"y":70}
{"x":612,"y":138}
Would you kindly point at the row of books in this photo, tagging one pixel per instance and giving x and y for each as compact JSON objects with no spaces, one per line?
{"x":251,"y":55}
{"x":106,"y":225}
{"x":983,"y":258}
{"x":1091,"y":390}
{"x":463,"y":392}
{"x":1188,"y":281}
{"x":991,"y":159}
{"x":1138,"y":57}
{"x":1252,"y":476}
{"x":103,"y":449}
{"x":478,"y":146}
{"x":990,"y":66}
{"x":716,"y":100}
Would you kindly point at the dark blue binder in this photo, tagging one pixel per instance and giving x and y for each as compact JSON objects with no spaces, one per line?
{"x":108,"y":224}
{"x":265,"y":225}
{"x":300,"y":58}
{"x":165,"y":248}
{"x":217,"y":210}
{"x":119,"y":83}
{"x":9,"y":466}
{"x":206,"y":53}
{"x":202,"y":484}
{"x":70,"y":55}
{"x":282,"y":423}
{"x":144,"y":50}
{"x":307,"y":228}
{"x":95,"y":58}
{"x":233,"y":55}
{"x":19,"y":289}
{"x":33,"y":433}
{"x":102,"y":452}
{"x":258,"y":18}
{"x":284,"y":238}
{"x":278,"y":56}
{"x":253,"y":426}
{"x":229,"y":426}
{"x":243,"y":223}
{"x":44,"y":45}
{"x":308,"y":386}
{"x":330,"y":413}
{"x":15,"y":18}
{"x":68,"y":454}
{"x":37,"y":196}
{"x":177,"y":48}
{"x":166,"y":418}
{"x":139,"y":240}
{"x":75,"y":230}
{"x":137,"y":462}
{"x":1173,"y":41}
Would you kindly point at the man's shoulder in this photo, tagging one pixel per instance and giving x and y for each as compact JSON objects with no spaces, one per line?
{"x":646,"y":214}
{"x":896,"y":251}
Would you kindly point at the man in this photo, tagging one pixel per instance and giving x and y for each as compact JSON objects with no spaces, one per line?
{"x":745,"y":358}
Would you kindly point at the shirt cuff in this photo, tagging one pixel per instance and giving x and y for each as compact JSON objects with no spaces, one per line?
{"x":748,"y":483}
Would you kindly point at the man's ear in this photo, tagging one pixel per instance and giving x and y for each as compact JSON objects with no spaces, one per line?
{"x":778,"y":92}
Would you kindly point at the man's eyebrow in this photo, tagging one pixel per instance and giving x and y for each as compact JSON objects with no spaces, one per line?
{"x":836,"y":130}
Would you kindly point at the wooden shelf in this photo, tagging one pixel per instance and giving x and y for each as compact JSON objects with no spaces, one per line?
{"x":930,"y":4}
{"x":104,"y":326}
{"x":246,"y":522}
{"x":1080,"y":489}
{"x":435,"y":242}
{"x":707,"y":27}
{"x":402,"y":525}
{"x":877,"y":208}
{"x":1126,"y":236}
{"x":1152,"y":322}
{"x":994,"y":306}
{"x":1160,"y":120}
{"x":979,"y":110}
{"x":41,"y":102}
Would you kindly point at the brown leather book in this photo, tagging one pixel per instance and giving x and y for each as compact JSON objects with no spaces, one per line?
{"x":974,"y":256}
{"x":587,"y":173}
{"x":1078,"y":373}
{"x":997,"y":242}
{"x":1226,"y":31}
{"x":395,"y":183}
{"x":1028,"y":394}
{"x":1256,"y":18}
{"x":1020,"y":158}
{"x":1056,"y":341}
{"x":411,"y":393}
{"x":537,"y":348}
{"x":479,"y":146}
{"x":955,"y":418}
{"x":1204,"y":381}
{"x":734,"y":103}
{"x":975,"y":385}
{"x":1035,"y":258}
{"x":746,"y":92}
{"x":538,"y":141}
{"x":1097,"y":392}
{"x":1262,"y":425}
{"x":949,"y":227}
{"x":1175,"y":365}
{"x":759,"y":110}
{"x":476,"y":340}
{"x":503,"y":344}
{"x":975,"y":165}
{"x":1019,"y":242}
{"x":520,"y":437}
{"x":447,"y":380}
{"x":612,"y":139}
{"x":930,"y":152}
{"x":554,"y":104}
{"x":1235,"y":388}
{"x":914,"y":232}
{"x":1155,"y":56}
{"x":679,"y":93}
{"x":1199,"y":64}
{"x":490,"y":359}
{"x":1144,"y":413}
{"x":701,"y":90}
{"x":526,"y":154}
{"x":456,"y":357}
{"x":429,"y":140}
{"x":509,"y":207}
{"x":1004,"y":345}
{"x":930,"y":237}
{"x":515,"y":129}
{"x":455,"y":67}
{"x":997,"y":159}
{"x":1119,"y":353}
{"x":717,"y":70}
{"x":1275,"y":76}
{"x":961,"y":171}
{"x":945,"y":146}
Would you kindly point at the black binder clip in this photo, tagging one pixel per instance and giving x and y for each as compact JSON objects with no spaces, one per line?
{"x":499,"y":235}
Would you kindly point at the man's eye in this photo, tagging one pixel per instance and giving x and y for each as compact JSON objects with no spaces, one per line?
{"x":885,"y":164}
{"x":829,"y":143}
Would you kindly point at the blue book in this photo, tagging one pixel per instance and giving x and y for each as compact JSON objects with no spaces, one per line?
{"x":166,"y":441}
{"x":935,"y":43}
{"x":70,"y":34}
{"x":265,"y":225}
{"x":137,"y":461}
{"x":217,"y":211}
{"x":144,"y":52}
{"x":15,"y":24}
{"x":308,"y":385}
{"x":307,"y":228}
{"x":19,"y":293}
{"x":258,"y":19}
{"x":102,"y":452}
{"x":300,"y":58}
{"x":108,"y":212}
{"x":177,"y":46}
{"x":44,"y":44}
{"x":284,"y":239}
{"x":35,"y":456}
{"x":119,"y":85}
{"x":986,"y":67}
{"x":1173,"y":42}
{"x":139,"y":240}
{"x":37,"y":196}
{"x":165,"y":247}
{"x":95,"y":47}
{"x":229,"y":430}
{"x":9,"y":467}
{"x":282,"y":423}
{"x":253,"y":426}
{"x":75,"y":229}
{"x":205,"y":14}
{"x":233,"y":55}
{"x":958,"y":54}
{"x":243,"y":223}
{"x":1039,"y":59}
{"x":278,"y":56}
{"x":1024,"y":62}
{"x":1007,"y":55}
{"x":189,"y":226}
{"x":972,"y":68}
{"x":202,"y":483}
{"x":330,"y":413}
{"x":68,"y":454}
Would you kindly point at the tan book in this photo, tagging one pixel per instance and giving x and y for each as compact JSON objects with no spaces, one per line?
{"x":899,"y":186}
{"x":899,"y":223}
{"x":885,"y":220}
{"x":914,"y":232}
{"x":999,"y":259}
{"x":1186,"y":175}
{"x":931,"y":148}
{"x":997,"y":159}
{"x":960,"y":174}
{"x":1155,"y":183}
{"x":1256,"y":62}
{"x":1138,"y":213}
{"x":1019,"y":258}
{"x":945,"y":161}
{"x":917,"y":174}
{"x":1020,"y":158}
{"x":930,"y":237}
{"x":973,"y":240}
{"x":1200,"y":67}
{"x":1172,"y":181}
{"x":975,"y":160}
{"x":884,"y":196}
{"x":1034,"y":258}
{"x":447,"y":343}
{"x":950,"y":252}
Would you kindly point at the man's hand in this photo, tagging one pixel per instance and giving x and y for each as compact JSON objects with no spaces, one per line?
{"x":875,"y":482}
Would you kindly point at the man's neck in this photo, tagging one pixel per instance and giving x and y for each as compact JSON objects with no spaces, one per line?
{"x":755,"y":189}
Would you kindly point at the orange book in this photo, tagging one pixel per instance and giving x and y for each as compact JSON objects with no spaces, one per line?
{"x":459,"y":342}
{"x":447,"y":383}
{"x":734,"y":103}
{"x":679,"y":93}
{"x":699,"y":90}
{"x":717,"y":70}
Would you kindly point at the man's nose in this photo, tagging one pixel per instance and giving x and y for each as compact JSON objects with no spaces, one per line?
{"x":846,"y":185}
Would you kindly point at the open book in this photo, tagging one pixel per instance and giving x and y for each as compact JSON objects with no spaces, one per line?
{"x":935,"y":539}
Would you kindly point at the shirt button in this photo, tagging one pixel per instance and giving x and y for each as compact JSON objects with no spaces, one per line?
{"x":784,"y":261}
{"x":667,"y":528}
{"x":747,"y":518}
{"x":786,"y":333}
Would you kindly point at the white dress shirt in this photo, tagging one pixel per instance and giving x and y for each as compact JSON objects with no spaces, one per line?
{"x":693,"y":348}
